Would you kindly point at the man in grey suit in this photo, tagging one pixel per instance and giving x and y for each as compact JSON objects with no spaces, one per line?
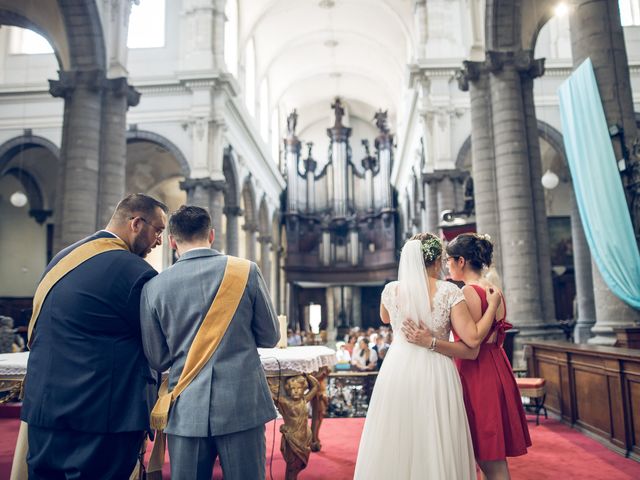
{"x":224,"y":409}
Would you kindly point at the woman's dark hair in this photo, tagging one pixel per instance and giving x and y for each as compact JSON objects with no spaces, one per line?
{"x":431,"y":247}
{"x":476,"y":249}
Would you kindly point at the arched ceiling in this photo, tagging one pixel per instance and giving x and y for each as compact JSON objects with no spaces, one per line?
{"x":42,"y":16}
{"x":311,"y":51}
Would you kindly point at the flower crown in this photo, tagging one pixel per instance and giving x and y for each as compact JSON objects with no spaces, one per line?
{"x":483,"y":236}
{"x":431,"y":249}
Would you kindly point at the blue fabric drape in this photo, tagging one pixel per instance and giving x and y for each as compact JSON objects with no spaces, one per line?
{"x":597,"y":185}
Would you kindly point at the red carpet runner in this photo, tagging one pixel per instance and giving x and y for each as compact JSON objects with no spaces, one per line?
{"x":557,"y":452}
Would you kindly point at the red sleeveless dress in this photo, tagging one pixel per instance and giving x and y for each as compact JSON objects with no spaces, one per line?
{"x":494,"y":408}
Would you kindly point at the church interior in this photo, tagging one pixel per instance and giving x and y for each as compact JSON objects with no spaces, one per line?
{"x":321,"y":135}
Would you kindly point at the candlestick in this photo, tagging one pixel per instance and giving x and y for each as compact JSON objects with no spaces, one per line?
{"x":282,"y":320}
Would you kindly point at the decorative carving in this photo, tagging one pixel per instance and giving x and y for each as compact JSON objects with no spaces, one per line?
{"x":290,"y":398}
{"x":319,"y":405}
{"x":339,"y":112}
{"x":292,"y":121}
{"x":381,"y":121}
{"x":93,"y":80}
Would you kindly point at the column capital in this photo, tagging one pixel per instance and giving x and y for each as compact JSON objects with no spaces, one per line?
{"x":191,"y":183}
{"x":250,"y":227}
{"x":265,"y":239}
{"x":495,"y":60}
{"x":233,"y":211}
{"x":522,"y":60}
{"x":120,"y":87}
{"x":438,"y":175}
{"x":470,"y":72}
{"x":72,"y":79}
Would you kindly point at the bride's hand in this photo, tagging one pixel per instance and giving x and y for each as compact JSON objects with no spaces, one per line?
{"x":493,"y":296}
{"x":419,"y":335}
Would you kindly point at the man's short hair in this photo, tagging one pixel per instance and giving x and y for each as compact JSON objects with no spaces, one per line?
{"x":190,"y":223}
{"x":137,"y":204}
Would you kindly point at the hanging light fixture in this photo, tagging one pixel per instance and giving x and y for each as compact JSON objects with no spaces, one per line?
{"x":18,"y":199}
{"x":550,"y":180}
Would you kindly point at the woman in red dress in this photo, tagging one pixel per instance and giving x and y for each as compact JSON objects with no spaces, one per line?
{"x":494,"y":409}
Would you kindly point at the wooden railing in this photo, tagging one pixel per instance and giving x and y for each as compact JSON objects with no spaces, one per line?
{"x":594,"y":389}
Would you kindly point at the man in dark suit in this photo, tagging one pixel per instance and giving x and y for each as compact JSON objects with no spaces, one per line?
{"x":224,"y":409}
{"x":86,"y":390}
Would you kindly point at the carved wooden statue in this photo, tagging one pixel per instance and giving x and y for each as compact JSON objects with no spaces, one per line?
{"x":296,"y":434}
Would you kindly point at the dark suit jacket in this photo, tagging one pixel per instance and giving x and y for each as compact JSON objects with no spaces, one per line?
{"x":87,"y":371}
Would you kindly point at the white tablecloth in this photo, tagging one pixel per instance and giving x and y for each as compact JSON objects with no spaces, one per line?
{"x":307,"y":359}
{"x":298,"y":359}
{"x":13,"y":364}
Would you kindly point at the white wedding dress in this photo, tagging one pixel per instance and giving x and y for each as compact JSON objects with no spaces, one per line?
{"x":416,"y":425}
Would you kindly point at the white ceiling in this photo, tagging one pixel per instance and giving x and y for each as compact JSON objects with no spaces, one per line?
{"x":311,"y":51}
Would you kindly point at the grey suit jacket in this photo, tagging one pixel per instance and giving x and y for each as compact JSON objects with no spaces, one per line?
{"x":230,"y":394}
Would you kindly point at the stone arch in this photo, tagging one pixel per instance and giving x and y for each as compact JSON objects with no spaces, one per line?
{"x":24,"y":142}
{"x":463,"y":154}
{"x":73,"y":28}
{"x":263,"y":218}
{"x":143,"y":135}
{"x":249,"y":200}
{"x":51,"y":27}
{"x":553,"y":137}
{"x":502,"y":25}
{"x":514,"y":26}
{"x":230,"y":172}
{"x":250,"y":226}
{"x":84,"y":31}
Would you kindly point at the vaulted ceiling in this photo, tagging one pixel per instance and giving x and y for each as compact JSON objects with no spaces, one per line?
{"x":311,"y":51}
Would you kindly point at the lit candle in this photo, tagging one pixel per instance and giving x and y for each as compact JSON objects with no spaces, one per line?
{"x":282,"y":320}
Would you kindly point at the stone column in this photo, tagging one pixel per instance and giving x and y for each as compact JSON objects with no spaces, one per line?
{"x":292,"y":157}
{"x":530,"y":70}
{"x":118,"y":97}
{"x":586,"y":317}
{"x":603,"y":42}
{"x":208,"y":194}
{"x":432,"y":215}
{"x":515,"y":197}
{"x":232,"y":214}
{"x":265,"y":258}
{"x":446,"y":194}
{"x":356,"y":305}
{"x":77,"y":208}
{"x":474,"y":77}
{"x":250,"y":230}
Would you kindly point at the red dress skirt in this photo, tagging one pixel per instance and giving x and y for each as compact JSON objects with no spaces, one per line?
{"x":494,"y":408}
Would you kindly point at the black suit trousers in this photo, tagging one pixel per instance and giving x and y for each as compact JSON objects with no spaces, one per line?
{"x":67,"y":454}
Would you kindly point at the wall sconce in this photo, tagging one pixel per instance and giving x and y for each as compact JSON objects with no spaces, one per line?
{"x":18,"y":199}
{"x":550,"y":180}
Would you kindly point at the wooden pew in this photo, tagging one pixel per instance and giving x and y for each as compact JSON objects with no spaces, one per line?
{"x":593,"y":388}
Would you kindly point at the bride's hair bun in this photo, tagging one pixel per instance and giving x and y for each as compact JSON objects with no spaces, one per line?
{"x":431,"y":247}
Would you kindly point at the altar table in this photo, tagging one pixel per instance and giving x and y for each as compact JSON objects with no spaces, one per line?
{"x":283,"y":367}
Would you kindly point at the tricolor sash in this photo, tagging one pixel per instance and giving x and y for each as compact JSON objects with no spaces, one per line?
{"x":72,"y":260}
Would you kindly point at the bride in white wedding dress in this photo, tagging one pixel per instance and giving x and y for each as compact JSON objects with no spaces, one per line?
{"x":416,"y":425}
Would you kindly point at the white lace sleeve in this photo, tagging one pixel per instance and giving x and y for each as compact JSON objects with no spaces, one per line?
{"x":388,"y":296}
{"x":455,"y":295}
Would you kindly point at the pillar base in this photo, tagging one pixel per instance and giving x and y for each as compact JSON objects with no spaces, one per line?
{"x":604,"y":334}
{"x":582,"y":331}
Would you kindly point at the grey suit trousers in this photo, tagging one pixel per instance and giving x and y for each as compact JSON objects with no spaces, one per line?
{"x":242,"y":455}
